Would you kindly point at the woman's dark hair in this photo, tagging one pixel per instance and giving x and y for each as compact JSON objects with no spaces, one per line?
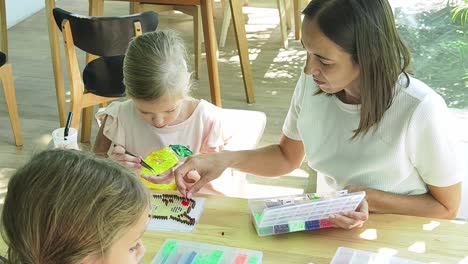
{"x":366,"y":30}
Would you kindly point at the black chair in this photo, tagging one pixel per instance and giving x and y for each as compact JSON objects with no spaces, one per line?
{"x":107,"y":38}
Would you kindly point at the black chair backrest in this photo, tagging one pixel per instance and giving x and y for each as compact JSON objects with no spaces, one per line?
{"x":105,"y":36}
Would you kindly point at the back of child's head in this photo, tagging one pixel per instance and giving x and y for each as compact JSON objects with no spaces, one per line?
{"x":65,"y":205}
{"x":155,"y":65}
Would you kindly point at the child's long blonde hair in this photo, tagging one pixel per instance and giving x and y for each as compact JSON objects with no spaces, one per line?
{"x":155,"y":65}
{"x":65,"y":205}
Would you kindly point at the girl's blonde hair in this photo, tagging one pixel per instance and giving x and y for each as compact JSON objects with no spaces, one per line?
{"x":65,"y":205}
{"x":155,"y":65}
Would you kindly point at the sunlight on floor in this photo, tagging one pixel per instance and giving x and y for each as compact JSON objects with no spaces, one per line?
{"x":295,"y":58}
{"x":253,"y":54}
{"x":261,"y":16}
{"x":290,"y":55}
{"x":278,"y":74}
{"x":418,"y":247}
{"x":369,"y":234}
{"x":431,"y":226}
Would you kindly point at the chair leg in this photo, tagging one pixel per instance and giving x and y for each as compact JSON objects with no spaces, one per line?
{"x":225,"y":26}
{"x":297,"y":19}
{"x":96,"y":7}
{"x":197,"y":38}
{"x":223,"y":4}
{"x":10,"y":98}
{"x":287,"y":6}
{"x":135,"y":8}
{"x":195,"y":12}
{"x":211,"y":50}
{"x":86,"y":124}
{"x":56,"y":62}
{"x":3,"y":28}
{"x":284,"y":31}
{"x":242,"y":47}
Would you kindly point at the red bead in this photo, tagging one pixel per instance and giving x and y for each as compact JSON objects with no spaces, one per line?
{"x":185,"y":202}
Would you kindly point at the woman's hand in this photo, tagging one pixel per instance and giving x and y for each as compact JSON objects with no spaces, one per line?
{"x":349,"y":220}
{"x":207,"y":168}
{"x":117,"y":153}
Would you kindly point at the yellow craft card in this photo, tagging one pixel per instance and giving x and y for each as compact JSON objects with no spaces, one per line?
{"x":161,"y":161}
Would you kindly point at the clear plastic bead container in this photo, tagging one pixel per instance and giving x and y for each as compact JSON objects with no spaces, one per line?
{"x":287,"y":214}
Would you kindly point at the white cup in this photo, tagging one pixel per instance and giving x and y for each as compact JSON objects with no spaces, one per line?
{"x":69,"y":142}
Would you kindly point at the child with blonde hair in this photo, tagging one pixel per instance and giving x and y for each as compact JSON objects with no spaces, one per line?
{"x":69,"y":207}
{"x":159,"y":111}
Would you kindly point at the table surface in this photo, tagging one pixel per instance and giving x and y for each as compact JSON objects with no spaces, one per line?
{"x":226,"y":221}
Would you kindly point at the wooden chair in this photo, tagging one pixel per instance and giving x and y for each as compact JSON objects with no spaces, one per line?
{"x":96,"y":8}
{"x":6,"y":76}
{"x":108,"y":38}
{"x":285,"y":11}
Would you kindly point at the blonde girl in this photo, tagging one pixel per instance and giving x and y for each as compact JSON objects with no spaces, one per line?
{"x":68,"y":207}
{"x":159,"y":111}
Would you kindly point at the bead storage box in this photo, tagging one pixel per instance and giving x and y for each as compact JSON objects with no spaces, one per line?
{"x":287,"y":214}
{"x":188,"y":252}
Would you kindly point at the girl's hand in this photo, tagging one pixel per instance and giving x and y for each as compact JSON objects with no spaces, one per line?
{"x":349,"y":220}
{"x":164,"y":178}
{"x":118,"y":154}
{"x":167,"y":177}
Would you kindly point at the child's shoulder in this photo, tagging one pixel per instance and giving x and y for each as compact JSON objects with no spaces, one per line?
{"x":207,"y":105}
{"x":117,"y":108}
{"x":208,"y":109}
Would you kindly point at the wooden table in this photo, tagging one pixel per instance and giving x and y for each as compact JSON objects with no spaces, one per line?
{"x":446,"y":243}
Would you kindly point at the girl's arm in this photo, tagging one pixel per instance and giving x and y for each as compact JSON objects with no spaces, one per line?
{"x":273,"y":160}
{"x":440,"y":202}
{"x":102,"y":143}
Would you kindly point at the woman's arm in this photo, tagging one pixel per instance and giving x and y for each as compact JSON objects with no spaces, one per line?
{"x":273,"y":160}
{"x":440,"y":202}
